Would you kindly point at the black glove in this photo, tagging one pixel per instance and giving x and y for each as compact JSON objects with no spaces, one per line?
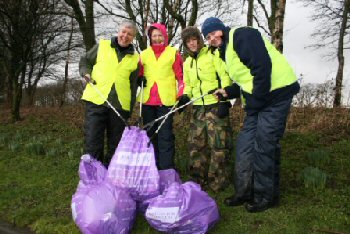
{"x":233,"y":91}
{"x":182,"y":101}
{"x":141,"y":79}
{"x":223,"y":109}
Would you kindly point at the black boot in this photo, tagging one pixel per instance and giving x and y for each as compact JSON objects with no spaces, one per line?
{"x":260,"y":206}
{"x":236,"y":201}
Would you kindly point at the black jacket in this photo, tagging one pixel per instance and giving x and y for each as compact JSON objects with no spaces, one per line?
{"x":250,"y":48}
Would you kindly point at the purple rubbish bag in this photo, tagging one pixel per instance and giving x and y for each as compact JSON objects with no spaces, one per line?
{"x":182,"y":209}
{"x":133,"y":165}
{"x":91,"y":171}
{"x":102,"y":209}
{"x":166,"y":178}
{"x":97,"y":205}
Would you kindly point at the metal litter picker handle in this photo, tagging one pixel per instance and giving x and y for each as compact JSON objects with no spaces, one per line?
{"x":150,"y":124}
{"x":140,"y":122}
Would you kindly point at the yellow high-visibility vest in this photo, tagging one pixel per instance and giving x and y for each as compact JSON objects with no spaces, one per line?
{"x":108,"y":71}
{"x":282,"y":73}
{"x":160,"y":71}
{"x":200,"y":76}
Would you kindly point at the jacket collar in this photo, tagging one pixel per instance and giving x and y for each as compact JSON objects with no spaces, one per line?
{"x":126,"y":50}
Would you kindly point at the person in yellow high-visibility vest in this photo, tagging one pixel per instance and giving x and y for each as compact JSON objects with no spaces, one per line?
{"x":161,"y":67}
{"x":210,"y":134}
{"x":113,"y":66}
{"x":268,"y":84}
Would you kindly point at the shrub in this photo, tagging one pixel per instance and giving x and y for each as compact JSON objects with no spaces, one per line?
{"x":314,"y":178}
{"x":14,"y":146}
{"x":52,"y":152}
{"x":3,"y":140}
{"x":318,"y":158}
{"x":35,"y":148}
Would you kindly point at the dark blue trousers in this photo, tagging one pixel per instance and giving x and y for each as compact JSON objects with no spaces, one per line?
{"x":164,"y":141}
{"x":258,"y":153}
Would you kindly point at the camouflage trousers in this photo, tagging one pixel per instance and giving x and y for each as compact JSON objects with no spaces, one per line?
{"x":210,"y":145}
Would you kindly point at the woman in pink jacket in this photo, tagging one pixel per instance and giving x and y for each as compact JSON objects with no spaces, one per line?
{"x":161,"y":67}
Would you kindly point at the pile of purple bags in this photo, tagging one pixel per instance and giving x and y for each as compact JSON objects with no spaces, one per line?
{"x":106,"y":201}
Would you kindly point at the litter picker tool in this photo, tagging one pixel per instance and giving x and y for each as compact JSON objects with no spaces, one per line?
{"x":150,"y":124}
{"x":92,"y":83}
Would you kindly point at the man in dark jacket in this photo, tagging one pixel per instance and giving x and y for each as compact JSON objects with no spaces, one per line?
{"x":267,"y":84}
{"x":111,"y":69}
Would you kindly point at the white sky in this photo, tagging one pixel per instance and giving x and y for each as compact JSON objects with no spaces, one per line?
{"x":313,"y":65}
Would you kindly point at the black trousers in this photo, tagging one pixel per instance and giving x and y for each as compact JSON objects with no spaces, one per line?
{"x":101,"y":120}
{"x":164,"y":141}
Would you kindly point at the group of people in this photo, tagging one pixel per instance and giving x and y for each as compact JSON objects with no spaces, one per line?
{"x":235,"y":63}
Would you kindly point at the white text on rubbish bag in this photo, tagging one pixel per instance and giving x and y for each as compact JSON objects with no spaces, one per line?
{"x":163,"y":214}
{"x":132,"y":159}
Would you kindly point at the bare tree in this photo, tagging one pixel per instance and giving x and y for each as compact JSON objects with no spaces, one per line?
{"x":277,"y":35}
{"x":273,"y":20}
{"x":66,"y":67}
{"x":250,"y":12}
{"x":86,"y":22}
{"x":17,"y":20}
{"x":340,"y":55}
{"x":175,"y":14}
{"x":332,"y":16}
{"x":33,"y":39}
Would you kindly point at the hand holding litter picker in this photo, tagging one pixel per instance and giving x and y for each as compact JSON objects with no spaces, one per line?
{"x":182,"y":101}
{"x":88,"y":79}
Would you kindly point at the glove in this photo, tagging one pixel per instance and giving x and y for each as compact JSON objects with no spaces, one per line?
{"x":223,"y":109}
{"x":233,"y":91}
{"x":141,"y":79}
{"x":182,"y":101}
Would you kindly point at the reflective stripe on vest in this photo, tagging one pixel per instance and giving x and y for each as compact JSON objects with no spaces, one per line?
{"x":160,"y":71}
{"x":107,"y":71}
{"x":282,"y":73}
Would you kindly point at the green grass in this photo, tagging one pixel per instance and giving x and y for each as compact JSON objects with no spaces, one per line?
{"x":36,"y":188}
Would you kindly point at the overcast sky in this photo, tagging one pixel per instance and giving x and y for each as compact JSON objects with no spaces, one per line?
{"x":311,"y":63}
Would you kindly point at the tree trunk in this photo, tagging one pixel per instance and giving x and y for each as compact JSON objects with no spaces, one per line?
{"x":340,"y":55}
{"x":86,"y":25}
{"x":250,"y":13}
{"x":30,"y":92}
{"x":277,"y":34}
{"x":66,"y":67}
{"x":8,"y":91}
{"x":272,"y":19}
{"x":16,"y":100}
